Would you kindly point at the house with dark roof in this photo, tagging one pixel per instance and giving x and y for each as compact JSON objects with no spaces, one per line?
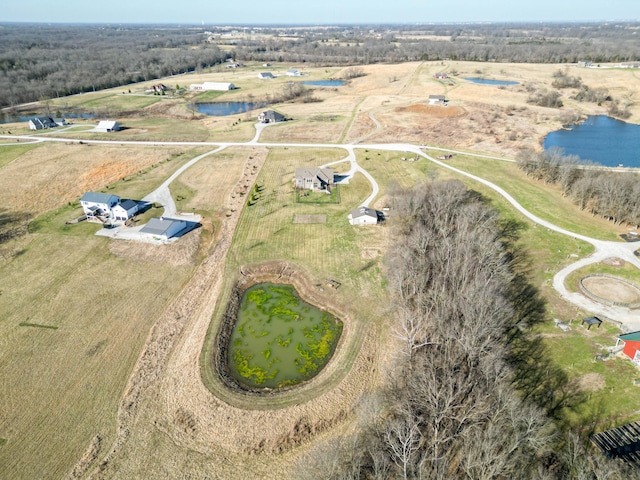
{"x":314,"y":178}
{"x":124,"y":210}
{"x":631,"y":346}
{"x":364,"y":216}
{"x":271,"y":116}
{"x":42,"y":123}
{"x":266,"y":75}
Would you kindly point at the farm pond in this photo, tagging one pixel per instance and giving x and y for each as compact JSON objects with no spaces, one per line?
{"x":278,"y":339}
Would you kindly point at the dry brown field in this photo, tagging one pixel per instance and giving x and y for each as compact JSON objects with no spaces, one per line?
{"x":101,"y":340}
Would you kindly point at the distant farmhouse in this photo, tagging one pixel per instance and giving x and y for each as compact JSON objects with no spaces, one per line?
{"x":271,"y":116}
{"x":437,"y":100}
{"x":107,"y":126}
{"x":313,"y":178}
{"x":42,"y":123}
{"x":158,"y":88}
{"x":212,"y":86}
{"x":266,"y":75}
{"x":107,"y":208}
{"x":364,"y":216}
{"x":163,"y":228}
{"x":441,"y":76}
{"x":292,"y":72}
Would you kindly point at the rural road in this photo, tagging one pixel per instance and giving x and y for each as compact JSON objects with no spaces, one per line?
{"x":603,"y":249}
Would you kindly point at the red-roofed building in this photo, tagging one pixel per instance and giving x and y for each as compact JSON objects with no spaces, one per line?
{"x":631,"y":346}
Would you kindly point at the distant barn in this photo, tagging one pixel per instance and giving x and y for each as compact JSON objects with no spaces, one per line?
{"x":212,"y":86}
{"x":107,"y":126}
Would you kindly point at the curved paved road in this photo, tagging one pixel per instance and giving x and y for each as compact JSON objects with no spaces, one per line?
{"x":603,"y":249}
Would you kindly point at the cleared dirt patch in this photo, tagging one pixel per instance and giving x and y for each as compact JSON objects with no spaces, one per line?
{"x":433,"y":110}
{"x":591,"y":382}
{"x":612,"y":289}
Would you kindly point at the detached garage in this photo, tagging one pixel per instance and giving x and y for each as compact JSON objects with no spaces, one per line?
{"x":363,"y":216}
{"x":163,"y":228}
{"x":107,"y":126}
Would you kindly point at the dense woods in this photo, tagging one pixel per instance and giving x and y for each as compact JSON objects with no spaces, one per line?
{"x":44,"y":61}
{"x":464,"y":397}
{"x":47,"y":61}
{"x":612,"y":195}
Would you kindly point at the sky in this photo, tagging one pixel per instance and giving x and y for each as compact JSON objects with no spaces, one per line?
{"x":252,"y":12}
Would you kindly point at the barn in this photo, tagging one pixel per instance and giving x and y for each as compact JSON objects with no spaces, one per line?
{"x":631,"y":346}
{"x":212,"y":86}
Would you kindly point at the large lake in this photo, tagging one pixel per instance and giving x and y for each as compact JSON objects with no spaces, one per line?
{"x":600,"y":139}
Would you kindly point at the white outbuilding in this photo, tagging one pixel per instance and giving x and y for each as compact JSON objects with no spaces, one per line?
{"x":107,"y":126}
{"x":163,"y":228}
{"x":212,"y":86}
{"x":363,"y":216}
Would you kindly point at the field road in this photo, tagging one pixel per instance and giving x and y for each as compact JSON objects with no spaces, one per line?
{"x":603,"y":249}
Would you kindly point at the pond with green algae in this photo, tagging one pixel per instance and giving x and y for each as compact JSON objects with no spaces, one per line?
{"x":279,"y":340}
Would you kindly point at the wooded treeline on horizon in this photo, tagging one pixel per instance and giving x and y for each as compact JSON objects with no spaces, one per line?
{"x":48,"y":61}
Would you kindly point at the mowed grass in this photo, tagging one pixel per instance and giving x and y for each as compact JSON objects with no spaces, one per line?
{"x":266,"y":230}
{"x":544,"y":201}
{"x":606,"y":391}
{"x":112,"y":101}
{"x":61,"y":386}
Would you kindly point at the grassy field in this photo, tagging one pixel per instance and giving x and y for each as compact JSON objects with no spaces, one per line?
{"x":61,"y":387}
{"x":545,"y":201}
{"x":75,"y":309}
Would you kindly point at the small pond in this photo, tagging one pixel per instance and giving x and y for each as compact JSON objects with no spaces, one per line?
{"x":600,"y":139}
{"x":278,"y":339}
{"x":324,"y":83}
{"x":487,"y":81}
{"x":221,"y":109}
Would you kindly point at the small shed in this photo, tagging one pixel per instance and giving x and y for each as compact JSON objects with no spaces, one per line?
{"x":631,"y":346}
{"x":107,"y":126}
{"x":163,"y":228}
{"x":590,"y":321}
{"x":271,"y":116}
{"x":363,"y":216}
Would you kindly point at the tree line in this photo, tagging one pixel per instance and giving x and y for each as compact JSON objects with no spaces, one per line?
{"x":611,"y":195}
{"x":469,"y":394}
{"x":47,"y":61}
